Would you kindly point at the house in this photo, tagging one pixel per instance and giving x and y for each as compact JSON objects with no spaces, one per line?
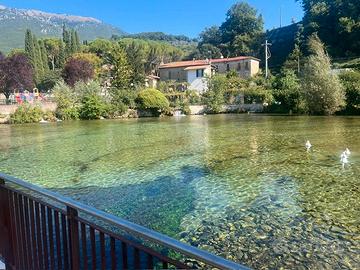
{"x":151,"y":81}
{"x":195,"y":72}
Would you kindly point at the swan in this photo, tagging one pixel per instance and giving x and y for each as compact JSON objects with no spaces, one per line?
{"x":308,"y":145}
{"x":347,"y":152}
{"x":344,"y":159}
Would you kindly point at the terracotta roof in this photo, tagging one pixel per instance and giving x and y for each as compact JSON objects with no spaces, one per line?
{"x":185,"y":64}
{"x":197,"y":67}
{"x":195,"y":63}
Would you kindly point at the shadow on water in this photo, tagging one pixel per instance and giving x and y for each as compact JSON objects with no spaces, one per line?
{"x":159,"y":204}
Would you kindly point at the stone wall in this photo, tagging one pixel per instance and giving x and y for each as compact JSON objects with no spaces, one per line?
{"x":6,"y":110}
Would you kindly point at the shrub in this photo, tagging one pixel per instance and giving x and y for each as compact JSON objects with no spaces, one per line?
{"x":351,"y":82}
{"x":214,"y":97}
{"x":152,"y":99}
{"x":93,"y":106}
{"x":49,"y":116}
{"x":26,"y":114}
{"x":123,"y":99}
{"x":67,"y":102}
{"x":78,"y":70}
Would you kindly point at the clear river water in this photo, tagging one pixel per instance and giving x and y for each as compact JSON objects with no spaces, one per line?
{"x":241,"y":186}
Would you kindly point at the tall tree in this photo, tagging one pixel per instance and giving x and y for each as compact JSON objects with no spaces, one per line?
{"x":322,"y":89}
{"x":136,"y":58}
{"x":121,"y":71}
{"x":242,"y":30}
{"x":336,"y":22}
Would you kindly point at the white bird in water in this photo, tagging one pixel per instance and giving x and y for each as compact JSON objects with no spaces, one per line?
{"x":347,"y":152}
{"x":308,"y":145}
{"x":344,"y":159}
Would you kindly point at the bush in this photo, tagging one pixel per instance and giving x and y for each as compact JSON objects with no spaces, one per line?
{"x":351,"y":82}
{"x":26,"y":114}
{"x":152,"y":99}
{"x":67,"y":102}
{"x":122,"y":100}
{"x":214,"y":97}
{"x":93,"y":106}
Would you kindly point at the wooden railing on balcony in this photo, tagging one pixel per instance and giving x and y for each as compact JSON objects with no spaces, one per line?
{"x":40,"y":229}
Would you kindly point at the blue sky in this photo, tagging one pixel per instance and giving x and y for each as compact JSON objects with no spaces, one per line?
{"x":188,"y":17}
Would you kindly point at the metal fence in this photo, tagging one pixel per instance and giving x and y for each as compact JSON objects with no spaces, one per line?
{"x":40,"y":229}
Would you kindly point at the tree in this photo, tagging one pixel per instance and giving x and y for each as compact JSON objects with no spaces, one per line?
{"x":100,"y":47}
{"x":334,"y":21}
{"x":16,"y":73}
{"x":351,"y":83}
{"x":77,"y":70}
{"x":136,"y":58}
{"x":243,"y":27}
{"x":211,"y":35}
{"x":215,"y":95}
{"x":91,"y":58}
{"x":321,"y":88}
{"x":121,"y":71}
{"x":287,"y":91}
{"x":53,"y":48}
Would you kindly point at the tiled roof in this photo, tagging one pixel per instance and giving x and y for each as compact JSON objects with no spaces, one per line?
{"x":194,"y":63}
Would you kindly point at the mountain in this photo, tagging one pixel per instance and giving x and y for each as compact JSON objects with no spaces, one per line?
{"x":14,"y":22}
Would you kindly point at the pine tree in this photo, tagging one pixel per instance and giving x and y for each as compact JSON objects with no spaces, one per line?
{"x":60,"y":61}
{"x":38,"y":66}
{"x":73,"y":42}
{"x":67,"y":42}
{"x":29,"y":47}
{"x":77,"y":41}
{"x":44,"y":56}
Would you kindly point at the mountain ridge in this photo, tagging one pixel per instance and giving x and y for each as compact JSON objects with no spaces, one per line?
{"x":14,"y":22}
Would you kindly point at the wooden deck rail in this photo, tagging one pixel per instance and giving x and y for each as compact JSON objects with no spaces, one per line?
{"x":40,"y":229}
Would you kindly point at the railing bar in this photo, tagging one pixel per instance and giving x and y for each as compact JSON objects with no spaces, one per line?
{"x":134,"y":244}
{"x":28,"y":234}
{"x":130,"y":227}
{"x":102,"y":251}
{"x":137,"y":258}
{"x":65,"y":242}
{"x":58,"y":240}
{"x":18,"y":231}
{"x":93,"y":248}
{"x":33,"y":235}
{"x":113,"y":253}
{"x":124,"y":255}
{"x":13,"y":224}
{"x":51,"y":237}
{"x":84,"y":246}
{"x":149,"y":262}
{"x":38,"y":200}
{"x":38,"y":235}
{"x":44,"y":236}
{"x":23,"y":234}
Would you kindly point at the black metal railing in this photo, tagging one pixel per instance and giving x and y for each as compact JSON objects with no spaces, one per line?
{"x":40,"y":229}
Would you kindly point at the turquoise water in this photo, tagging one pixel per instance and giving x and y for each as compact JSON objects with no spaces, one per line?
{"x":241,"y":186}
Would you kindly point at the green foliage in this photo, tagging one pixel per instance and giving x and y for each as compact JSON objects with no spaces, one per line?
{"x":121,"y":71}
{"x":334,"y":21}
{"x":321,"y":88}
{"x":214,"y":97}
{"x":26,"y":113}
{"x":123,"y":99}
{"x":67,"y":102}
{"x":152,"y":99}
{"x":49,"y":80}
{"x":93,"y":106}
{"x":351,"y":83}
{"x":287,"y":92}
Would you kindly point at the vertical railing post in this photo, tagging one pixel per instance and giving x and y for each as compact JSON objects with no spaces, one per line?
{"x":6,"y":245}
{"x":72,"y":215}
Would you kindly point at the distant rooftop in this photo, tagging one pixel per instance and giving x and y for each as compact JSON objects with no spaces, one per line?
{"x":194,"y":63}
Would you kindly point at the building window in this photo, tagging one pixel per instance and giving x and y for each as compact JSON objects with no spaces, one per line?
{"x":228,"y":67}
{"x":247,"y":67}
{"x":239,"y":67}
{"x":199,"y":73}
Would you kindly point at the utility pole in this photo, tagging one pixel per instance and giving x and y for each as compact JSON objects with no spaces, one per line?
{"x":267,"y":57}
